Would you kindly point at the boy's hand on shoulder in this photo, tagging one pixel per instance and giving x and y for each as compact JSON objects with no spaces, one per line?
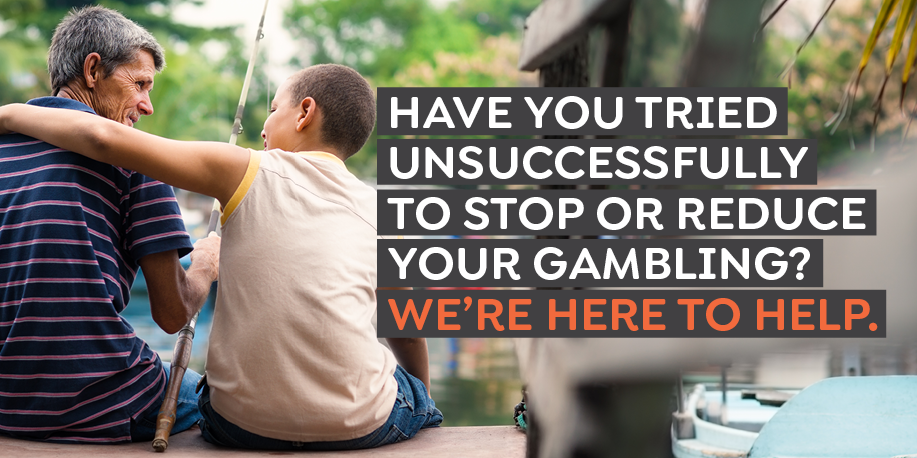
{"x":5,"y":115}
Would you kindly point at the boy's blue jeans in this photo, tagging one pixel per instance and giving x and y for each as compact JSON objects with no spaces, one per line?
{"x":413,"y":410}
{"x":186,"y":414}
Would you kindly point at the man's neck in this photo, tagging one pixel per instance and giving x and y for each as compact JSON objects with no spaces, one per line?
{"x":80,"y":96}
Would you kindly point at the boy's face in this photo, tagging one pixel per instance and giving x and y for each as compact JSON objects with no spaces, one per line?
{"x":280,"y":126}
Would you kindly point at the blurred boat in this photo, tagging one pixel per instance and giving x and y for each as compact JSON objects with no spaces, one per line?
{"x":839,"y":417}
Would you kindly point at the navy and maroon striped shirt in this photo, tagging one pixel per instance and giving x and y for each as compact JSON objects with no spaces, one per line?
{"x":71,"y":232}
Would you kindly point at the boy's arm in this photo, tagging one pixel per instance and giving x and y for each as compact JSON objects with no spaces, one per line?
{"x":210,"y":168}
{"x":412,"y":354}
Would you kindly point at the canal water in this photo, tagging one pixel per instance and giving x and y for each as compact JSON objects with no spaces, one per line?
{"x":475,"y":382}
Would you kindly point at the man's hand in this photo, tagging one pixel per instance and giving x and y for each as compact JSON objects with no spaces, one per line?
{"x":175,"y":294}
{"x":206,"y":255}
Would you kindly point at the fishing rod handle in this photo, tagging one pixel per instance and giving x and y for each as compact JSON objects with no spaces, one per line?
{"x":181,"y":355}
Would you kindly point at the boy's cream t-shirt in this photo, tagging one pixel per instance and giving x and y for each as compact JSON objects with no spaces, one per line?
{"x":293,"y":354}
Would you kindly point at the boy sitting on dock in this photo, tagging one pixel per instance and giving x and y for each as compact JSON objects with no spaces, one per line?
{"x":293,"y":361}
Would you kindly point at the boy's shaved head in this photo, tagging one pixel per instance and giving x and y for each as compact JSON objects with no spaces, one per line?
{"x":346,"y":100}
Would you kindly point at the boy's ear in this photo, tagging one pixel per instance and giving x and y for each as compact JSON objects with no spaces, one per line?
{"x":307,"y":113}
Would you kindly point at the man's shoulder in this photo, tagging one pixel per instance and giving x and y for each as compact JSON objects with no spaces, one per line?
{"x":34,"y":166}
{"x":14,"y":140}
{"x":61,"y":102}
{"x":21,"y":152}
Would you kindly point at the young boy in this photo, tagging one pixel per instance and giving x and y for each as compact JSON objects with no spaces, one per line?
{"x":293,"y":361}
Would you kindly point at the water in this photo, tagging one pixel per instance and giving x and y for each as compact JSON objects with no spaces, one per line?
{"x":474,"y":382}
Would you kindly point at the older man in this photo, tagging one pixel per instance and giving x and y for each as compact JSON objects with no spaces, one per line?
{"x":73,"y":233}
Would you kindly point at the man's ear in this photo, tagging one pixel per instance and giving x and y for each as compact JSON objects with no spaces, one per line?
{"x":92,"y":69}
{"x":307,"y":113}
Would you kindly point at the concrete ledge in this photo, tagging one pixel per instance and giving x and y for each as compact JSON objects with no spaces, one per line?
{"x":468,"y":441}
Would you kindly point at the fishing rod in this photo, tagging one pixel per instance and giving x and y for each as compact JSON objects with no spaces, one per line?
{"x":181,"y":355}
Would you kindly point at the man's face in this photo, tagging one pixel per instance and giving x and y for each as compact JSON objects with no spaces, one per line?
{"x":124,"y":95}
{"x":280,"y":125}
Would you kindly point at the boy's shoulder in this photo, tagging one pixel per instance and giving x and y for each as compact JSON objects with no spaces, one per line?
{"x":325,"y":176}
{"x":319,"y":165}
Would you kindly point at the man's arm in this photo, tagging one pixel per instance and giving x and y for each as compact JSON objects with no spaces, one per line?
{"x":412,"y":354}
{"x":211,"y":168}
{"x":175,"y":294}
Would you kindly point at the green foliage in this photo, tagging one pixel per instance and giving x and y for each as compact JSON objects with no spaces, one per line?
{"x":493,"y":64}
{"x":380,"y":38}
{"x":43,"y":16}
{"x":653,"y":58}
{"x":375,"y":38}
{"x":413,"y":43}
{"x":23,"y":71}
{"x":494,"y":17}
{"x":818,"y":82}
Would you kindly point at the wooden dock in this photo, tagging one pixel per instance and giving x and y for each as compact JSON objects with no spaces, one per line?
{"x":469,"y":441}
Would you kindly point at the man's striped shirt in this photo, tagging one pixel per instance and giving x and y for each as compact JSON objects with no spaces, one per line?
{"x":71,"y":232}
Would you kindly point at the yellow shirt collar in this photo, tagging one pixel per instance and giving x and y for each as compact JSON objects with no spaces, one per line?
{"x":323,"y":155}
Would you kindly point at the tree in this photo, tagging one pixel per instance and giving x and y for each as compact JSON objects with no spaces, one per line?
{"x":821,"y":79}
{"x":375,"y":38}
{"x":413,"y":43}
{"x":23,"y":70}
{"x":42,"y":16}
{"x":494,"y":17}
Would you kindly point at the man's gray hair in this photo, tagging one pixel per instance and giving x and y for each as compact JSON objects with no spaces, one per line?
{"x":91,"y":29}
